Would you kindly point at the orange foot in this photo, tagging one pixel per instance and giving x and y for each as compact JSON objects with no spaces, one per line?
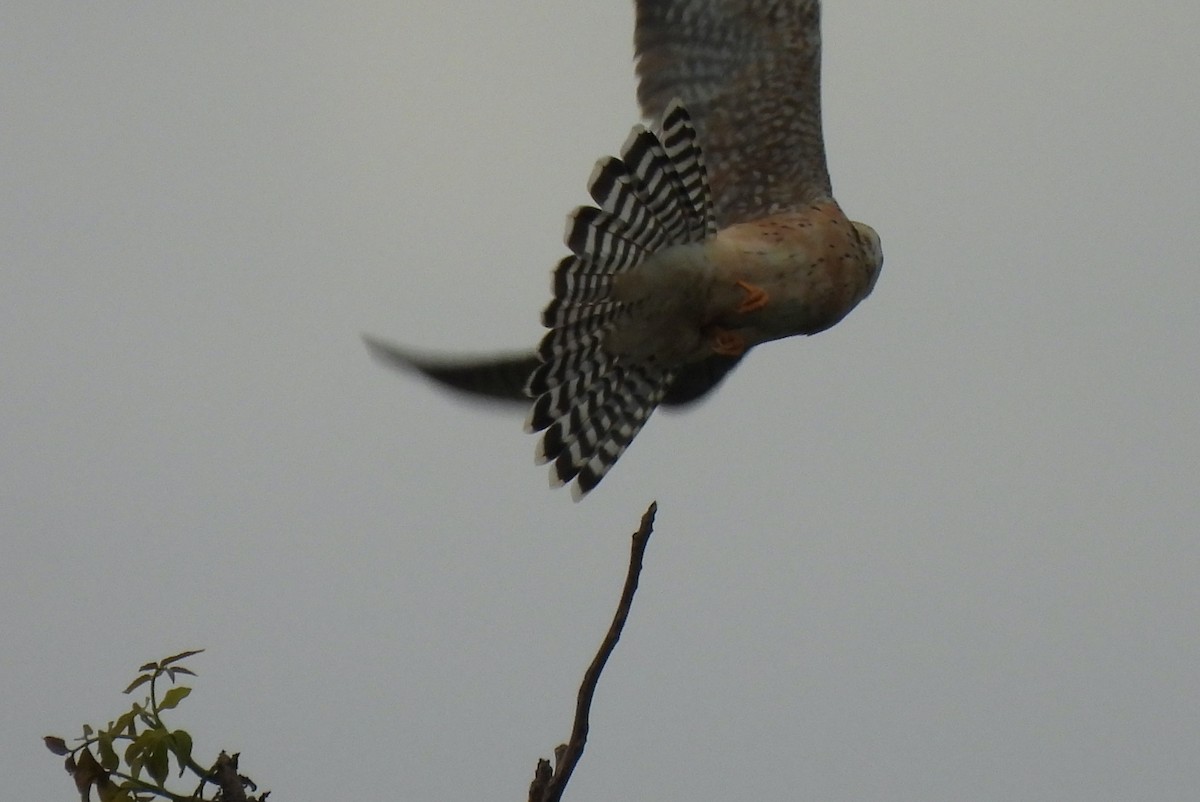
{"x":726,"y":342}
{"x":756,"y":298}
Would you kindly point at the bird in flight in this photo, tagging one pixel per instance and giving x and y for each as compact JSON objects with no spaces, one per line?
{"x":715,"y":230}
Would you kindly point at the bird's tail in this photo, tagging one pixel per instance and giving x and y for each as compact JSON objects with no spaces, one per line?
{"x":590,"y":402}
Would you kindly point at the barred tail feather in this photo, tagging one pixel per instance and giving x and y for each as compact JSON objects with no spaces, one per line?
{"x":557,"y":400}
{"x":639,"y":396}
{"x":590,"y":403}
{"x":557,"y":314}
{"x":619,"y":195}
{"x":603,"y":239}
{"x":588,"y":439}
{"x":679,"y":140}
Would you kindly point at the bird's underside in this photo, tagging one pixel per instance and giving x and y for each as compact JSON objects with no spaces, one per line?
{"x":713,"y":232}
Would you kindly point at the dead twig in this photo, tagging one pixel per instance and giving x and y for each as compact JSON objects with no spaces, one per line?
{"x":548,"y":786}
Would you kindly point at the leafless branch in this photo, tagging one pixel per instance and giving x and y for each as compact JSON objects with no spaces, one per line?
{"x":548,"y":786}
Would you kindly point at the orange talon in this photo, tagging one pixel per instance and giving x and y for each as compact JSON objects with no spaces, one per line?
{"x":727,"y":343}
{"x":756,"y":298}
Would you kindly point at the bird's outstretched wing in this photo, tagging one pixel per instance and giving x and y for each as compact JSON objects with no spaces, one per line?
{"x":489,"y":377}
{"x":501,"y":378}
{"x":749,"y":74}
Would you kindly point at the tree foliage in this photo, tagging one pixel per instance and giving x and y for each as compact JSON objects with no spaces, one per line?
{"x":130,"y":759}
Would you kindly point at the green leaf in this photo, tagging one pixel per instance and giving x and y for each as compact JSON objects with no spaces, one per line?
{"x":148,"y":667}
{"x":87,"y":771}
{"x":108,"y":757}
{"x":146,"y":718}
{"x":182,"y":670}
{"x":135,"y":753}
{"x":173,"y":697}
{"x":137,"y":683}
{"x":181,"y":745}
{"x":156,"y":762}
{"x":175,"y":658}
{"x":56,"y":745}
{"x":107,"y":790}
{"x":124,"y":724}
{"x":87,"y":731}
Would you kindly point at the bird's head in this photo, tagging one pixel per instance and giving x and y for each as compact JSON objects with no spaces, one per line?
{"x":872,"y":251}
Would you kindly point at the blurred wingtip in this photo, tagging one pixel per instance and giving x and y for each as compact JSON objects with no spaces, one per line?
{"x":487,"y":377}
{"x":390,"y":354}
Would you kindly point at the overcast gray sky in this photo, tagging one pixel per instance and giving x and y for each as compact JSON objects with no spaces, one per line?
{"x":947,"y":550}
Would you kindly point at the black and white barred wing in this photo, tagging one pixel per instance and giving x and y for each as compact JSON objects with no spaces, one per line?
{"x":590,"y":402}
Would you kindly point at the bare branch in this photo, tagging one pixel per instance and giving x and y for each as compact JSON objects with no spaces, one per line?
{"x":550,"y":788}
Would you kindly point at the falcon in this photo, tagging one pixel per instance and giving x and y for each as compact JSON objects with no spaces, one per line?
{"x":715,"y":230}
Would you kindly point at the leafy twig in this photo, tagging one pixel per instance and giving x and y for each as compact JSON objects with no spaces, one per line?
{"x":150,"y":746}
